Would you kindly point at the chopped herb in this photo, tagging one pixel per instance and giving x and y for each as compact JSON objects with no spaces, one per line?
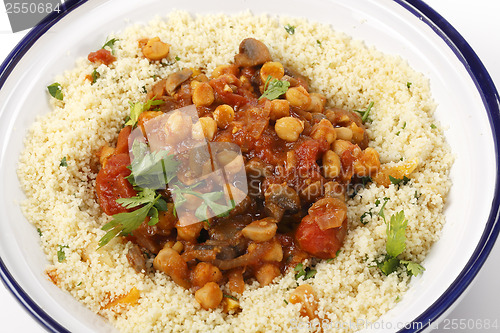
{"x":307,"y":272}
{"x":417,"y":195}
{"x":61,"y":255}
{"x":39,"y":232}
{"x":231,"y":26}
{"x":290,"y":29}
{"x":274,"y":88}
{"x":95,"y":76}
{"x":364,"y":114}
{"x":397,"y":134}
{"x":404,"y":125}
{"x":398,"y":181}
{"x":137,"y":108}
{"x":397,"y":299}
{"x":79,"y":284}
{"x":381,"y":211}
{"x":401,"y":159}
{"x":433,"y":126}
{"x":408,"y":85}
{"x":143,"y":90}
{"x":365,"y":215}
{"x":111,"y":44}
{"x":64,"y":162}
{"x":177,"y":58}
{"x":337,"y":253}
{"x":318,"y":42}
{"x":284,"y":300}
{"x":231,"y":297}
{"x":377,"y":202}
{"x":329,"y":260}
{"x":55,"y":90}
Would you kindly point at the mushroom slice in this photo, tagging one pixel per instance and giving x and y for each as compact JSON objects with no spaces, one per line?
{"x":174,"y":80}
{"x":252,"y":53}
{"x":283,"y":196}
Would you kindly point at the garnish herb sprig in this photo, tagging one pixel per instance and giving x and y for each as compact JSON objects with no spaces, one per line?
{"x":55,"y":90}
{"x":274,"y":88}
{"x":364,"y":114}
{"x":137,"y":108}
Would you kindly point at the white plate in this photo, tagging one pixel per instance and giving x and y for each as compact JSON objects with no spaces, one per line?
{"x":468,"y":106}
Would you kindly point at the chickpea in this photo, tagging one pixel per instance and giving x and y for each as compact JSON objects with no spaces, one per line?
{"x":267,"y":273}
{"x":343,"y":133}
{"x":261,"y":230}
{"x":205,"y":272}
{"x":178,"y":126}
{"x":206,"y":127}
{"x":171,"y":263}
{"x":341,"y":146}
{"x":318,"y":102}
{"x":306,"y":296}
{"x":273,"y":69}
{"x":188,"y":227}
{"x":209,"y":296}
{"x":166,"y":219}
{"x":331,"y":164}
{"x":289,"y":128}
{"x":203,"y":95}
{"x":357,"y":133}
{"x":368,"y":163}
{"x":324,"y":130}
{"x":225,"y":69}
{"x":223,"y":115}
{"x":298,"y":97}
{"x":279,"y":108}
{"x":229,"y":305}
{"x":275,"y":253}
{"x":155,"y":49}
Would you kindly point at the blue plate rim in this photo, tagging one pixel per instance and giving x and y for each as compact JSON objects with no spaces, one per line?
{"x":464,"y":53}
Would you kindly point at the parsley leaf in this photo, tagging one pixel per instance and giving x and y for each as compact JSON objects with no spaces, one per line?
{"x":95,"y":76}
{"x":39,"y":232}
{"x":61,"y":255}
{"x":433,"y":126}
{"x":408,"y":85}
{"x":274,"y":88}
{"x":111,"y":44}
{"x":290,"y":29}
{"x":318,"y":42}
{"x":137,"y":108}
{"x":55,"y":90}
{"x":396,"y":238}
{"x":144,"y":196}
{"x":285,"y":301}
{"x":364,"y":114}
{"x":365,"y":215}
{"x":64,"y":162}
{"x":125,"y":223}
{"x":151,"y":170}
{"x":389,"y":265}
{"x":413,"y":268}
{"x":177,"y":58}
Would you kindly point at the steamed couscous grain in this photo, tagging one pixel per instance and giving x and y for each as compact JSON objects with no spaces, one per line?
{"x":61,"y":196}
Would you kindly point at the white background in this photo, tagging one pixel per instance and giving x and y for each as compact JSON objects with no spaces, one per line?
{"x":478,"y":23}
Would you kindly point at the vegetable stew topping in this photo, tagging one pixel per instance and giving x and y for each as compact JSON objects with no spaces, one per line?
{"x":207,"y":228}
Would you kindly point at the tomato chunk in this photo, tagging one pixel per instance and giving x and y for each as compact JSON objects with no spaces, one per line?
{"x":101,"y":56}
{"x":111,"y":184}
{"x":322,"y":244}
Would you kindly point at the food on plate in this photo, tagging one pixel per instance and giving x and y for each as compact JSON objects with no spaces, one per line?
{"x":198,"y":172}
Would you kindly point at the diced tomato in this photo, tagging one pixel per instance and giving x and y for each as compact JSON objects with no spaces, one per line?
{"x":111,"y":184}
{"x":225,"y":95}
{"x":319,"y":243}
{"x":101,"y":56}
